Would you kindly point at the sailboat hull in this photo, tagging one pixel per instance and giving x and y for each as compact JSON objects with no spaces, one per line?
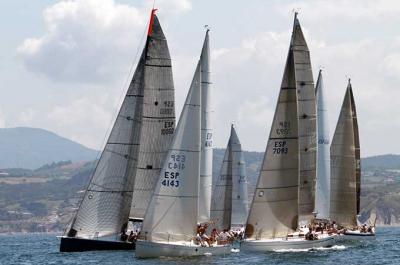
{"x":286,"y":244}
{"x":147,"y":249}
{"x":355,"y":235}
{"x":73,"y":244}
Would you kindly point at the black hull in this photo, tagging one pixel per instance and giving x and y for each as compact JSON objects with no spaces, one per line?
{"x":72,"y":244}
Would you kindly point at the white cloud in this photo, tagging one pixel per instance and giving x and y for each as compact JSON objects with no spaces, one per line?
{"x":90,"y":40}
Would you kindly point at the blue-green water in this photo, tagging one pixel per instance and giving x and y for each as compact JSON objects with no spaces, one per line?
{"x":43,"y":249}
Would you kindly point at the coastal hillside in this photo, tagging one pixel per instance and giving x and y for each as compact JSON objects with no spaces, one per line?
{"x":31,"y":148}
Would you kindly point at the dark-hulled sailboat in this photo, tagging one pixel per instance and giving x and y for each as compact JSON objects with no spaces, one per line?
{"x":131,"y":160}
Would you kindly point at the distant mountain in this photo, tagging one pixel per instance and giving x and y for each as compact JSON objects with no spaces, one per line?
{"x":389,"y":161}
{"x":31,"y":148}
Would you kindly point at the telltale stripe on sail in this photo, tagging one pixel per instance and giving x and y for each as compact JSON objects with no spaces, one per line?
{"x":205,"y":82}
{"x":184,"y":150}
{"x":145,"y":168}
{"x":162,"y":66}
{"x":111,"y":191}
{"x":277,"y":187}
{"x":136,"y":96}
{"x":157,"y":118}
{"x":283,"y":138}
{"x":123,"y":143}
{"x":176,"y":196}
{"x":288,"y":88}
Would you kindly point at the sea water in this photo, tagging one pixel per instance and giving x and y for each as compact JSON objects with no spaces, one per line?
{"x":44,"y":249}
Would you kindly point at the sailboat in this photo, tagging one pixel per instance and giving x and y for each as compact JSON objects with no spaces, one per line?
{"x":283,"y":202}
{"x":322,"y":199}
{"x":346,"y":170}
{"x":170,"y":222}
{"x":229,"y":208}
{"x":132,"y":155}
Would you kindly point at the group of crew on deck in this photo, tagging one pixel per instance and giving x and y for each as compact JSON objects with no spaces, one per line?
{"x":329,"y":227}
{"x":222,"y":237}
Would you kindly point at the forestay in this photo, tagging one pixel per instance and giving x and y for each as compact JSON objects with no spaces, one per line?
{"x":345,"y":165}
{"x":206,"y":135}
{"x":322,"y":198}
{"x":158,"y":119}
{"x":172,"y":212}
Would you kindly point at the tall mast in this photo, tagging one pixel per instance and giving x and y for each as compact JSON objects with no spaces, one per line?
{"x":206,"y":135}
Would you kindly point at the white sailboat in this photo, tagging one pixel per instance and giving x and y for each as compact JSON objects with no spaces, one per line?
{"x":284,"y":196}
{"x":138,"y":141}
{"x":346,"y":171}
{"x":322,"y":199}
{"x":169,"y":225}
{"x":229,"y":208}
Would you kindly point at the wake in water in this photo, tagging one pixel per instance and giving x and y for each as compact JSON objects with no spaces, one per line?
{"x":335,"y":247}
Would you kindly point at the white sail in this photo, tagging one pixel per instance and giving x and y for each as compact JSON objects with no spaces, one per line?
{"x":158,"y":119}
{"x":206,"y":135}
{"x":322,"y":194}
{"x":172,"y":212}
{"x":240,"y":205}
{"x":221,"y":206}
{"x":345,"y":165}
{"x":229,"y":207}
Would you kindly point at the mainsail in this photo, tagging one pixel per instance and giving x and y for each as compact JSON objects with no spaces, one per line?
{"x":307,"y":126}
{"x":172,"y":212}
{"x":345,"y":165}
{"x":285,"y":189}
{"x":229,"y":207}
{"x":158,"y":119}
{"x":322,"y":200}
{"x":105,"y":207}
{"x":206,"y":135}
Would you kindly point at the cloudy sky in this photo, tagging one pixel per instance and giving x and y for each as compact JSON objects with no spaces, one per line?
{"x":65,"y":65}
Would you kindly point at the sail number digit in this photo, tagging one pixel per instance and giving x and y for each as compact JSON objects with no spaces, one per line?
{"x":168,"y":128}
{"x":284,"y":128}
{"x":280,"y":147}
{"x":175,"y":164}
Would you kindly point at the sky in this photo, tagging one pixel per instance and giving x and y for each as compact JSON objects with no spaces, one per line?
{"x":65,"y":65}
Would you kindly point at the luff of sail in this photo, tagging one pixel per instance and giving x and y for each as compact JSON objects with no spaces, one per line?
{"x":322,"y":198}
{"x":172,"y":212}
{"x":158,"y":119}
{"x":274,"y":209}
{"x":345,"y":164}
{"x":206,"y":135}
{"x":240,"y":206}
{"x":307,"y":126}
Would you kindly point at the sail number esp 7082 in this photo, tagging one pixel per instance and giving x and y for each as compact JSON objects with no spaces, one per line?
{"x":175,"y":165}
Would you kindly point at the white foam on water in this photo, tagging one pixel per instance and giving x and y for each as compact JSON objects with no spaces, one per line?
{"x":292,"y":250}
{"x":334,"y":247}
{"x":235,"y":250}
{"x":207,"y":254}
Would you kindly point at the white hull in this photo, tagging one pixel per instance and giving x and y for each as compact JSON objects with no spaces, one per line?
{"x":285,"y":244}
{"x":147,"y":249}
